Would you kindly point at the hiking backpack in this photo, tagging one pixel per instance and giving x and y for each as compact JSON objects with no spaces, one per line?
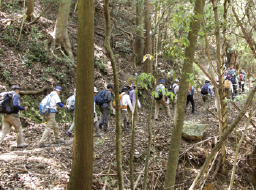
{"x":121,"y":102}
{"x":71,"y":103}
{"x":158,"y":93}
{"x":44,"y":106}
{"x":6,"y":102}
{"x":233,"y":79}
{"x":205,"y":89}
{"x":227,"y":84}
{"x":241,"y":77}
{"x":231,"y":72}
{"x":99,"y":100}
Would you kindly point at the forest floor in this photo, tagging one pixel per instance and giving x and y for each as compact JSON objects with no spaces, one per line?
{"x":49,"y":168}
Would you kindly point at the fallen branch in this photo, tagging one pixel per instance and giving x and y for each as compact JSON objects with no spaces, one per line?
{"x":244,"y":115}
{"x":197,"y":144}
{"x":35,"y":92}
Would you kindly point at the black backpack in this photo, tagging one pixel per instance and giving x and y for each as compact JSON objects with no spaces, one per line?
{"x":159,"y":95}
{"x":6,"y":102}
{"x":205,"y":89}
{"x":233,"y":79}
{"x":99,"y":100}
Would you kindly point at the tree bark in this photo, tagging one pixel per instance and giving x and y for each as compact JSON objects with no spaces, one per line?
{"x":60,"y":34}
{"x":182,"y":97}
{"x":148,"y":64}
{"x":117,"y":100}
{"x":224,"y":137}
{"x":139,"y":42}
{"x":30,"y":10}
{"x":222,"y":125}
{"x":149,"y":144}
{"x":82,"y":165}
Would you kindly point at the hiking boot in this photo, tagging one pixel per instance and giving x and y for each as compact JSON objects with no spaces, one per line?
{"x":69,"y":134}
{"x":194,"y":112}
{"x":22,"y":146}
{"x":97,"y":135}
{"x":42,"y":145}
{"x":156,"y":119}
{"x":106,"y":130}
{"x":59,"y":141}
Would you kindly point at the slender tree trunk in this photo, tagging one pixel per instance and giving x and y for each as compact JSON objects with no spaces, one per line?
{"x":139,"y":42}
{"x":148,"y":64}
{"x":133,"y":122}
{"x":60,"y":34}
{"x":182,"y":97}
{"x":149,"y":144}
{"x":117,"y":100}
{"x":220,"y":70}
{"x":224,"y":137}
{"x":30,"y":10}
{"x":82,"y":165}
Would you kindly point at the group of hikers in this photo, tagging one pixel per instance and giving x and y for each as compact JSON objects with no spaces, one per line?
{"x":232,"y":84}
{"x":103,"y":99}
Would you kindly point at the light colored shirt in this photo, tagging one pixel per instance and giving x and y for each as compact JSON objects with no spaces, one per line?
{"x":126,"y":101}
{"x":54,"y":100}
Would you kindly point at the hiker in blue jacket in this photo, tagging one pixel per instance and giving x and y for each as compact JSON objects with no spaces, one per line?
{"x":106,"y":107}
{"x":13,"y":119}
{"x":206,"y":92}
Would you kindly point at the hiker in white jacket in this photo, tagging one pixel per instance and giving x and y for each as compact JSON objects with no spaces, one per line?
{"x":125,"y":102}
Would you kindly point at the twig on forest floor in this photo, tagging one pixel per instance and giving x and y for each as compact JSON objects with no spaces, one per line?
{"x":196,"y":144}
{"x":106,"y":180}
{"x":136,"y":183}
{"x":209,"y":170}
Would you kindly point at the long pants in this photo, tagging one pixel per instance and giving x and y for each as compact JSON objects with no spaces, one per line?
{"x":206,"y":101}
{"x":191,"y":99}
{"x":96,"y":123}
{"x":129,"y":118}
{"x":124,"y":118}
{"x":105,"y":115}
{"x":227,"y":93}
{"x":241,"y":86}
{"x":51,"y":124}
{"x":234,"y":91}
{"x":8,"y":122}
{"x":164,"y":104}
{"x":71,"y":129}
{"x":173,"y":102}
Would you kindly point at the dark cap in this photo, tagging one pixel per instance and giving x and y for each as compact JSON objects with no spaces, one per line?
{"x":125,"y":89}
{"x":16,"y":87}
{"x":58,"y":88}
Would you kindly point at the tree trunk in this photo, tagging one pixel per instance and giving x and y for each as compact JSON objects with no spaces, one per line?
{"x":148,"y":64}
{"x":139,"y":42}
{"x":117,"y":100}
{"x":82,"y":165}
{"x":149,"y":144}
{"x":182,"y":97}
{"x":223,"y":125}
{"x":30,"y":10}
{"x":60,"y":34}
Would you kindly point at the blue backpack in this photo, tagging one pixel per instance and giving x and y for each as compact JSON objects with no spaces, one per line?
{"x":44,"y":107}
{"x":99,"y":100}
